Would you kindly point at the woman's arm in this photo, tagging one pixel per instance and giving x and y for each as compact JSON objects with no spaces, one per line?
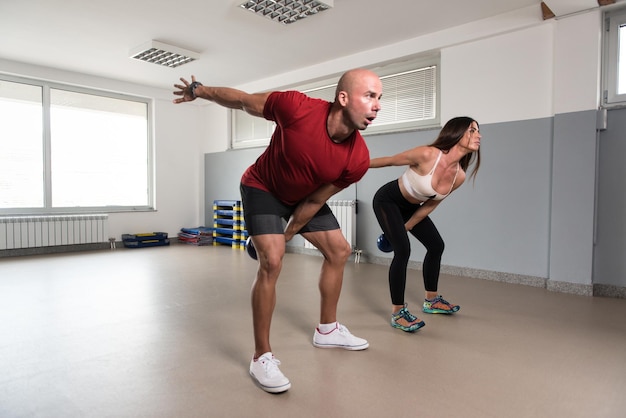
{"x":413,"y":156}
{"x":430,"y":205}
{"x":424,"y":210}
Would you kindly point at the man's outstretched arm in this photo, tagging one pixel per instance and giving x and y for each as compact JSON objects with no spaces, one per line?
{"x":223,"y":96}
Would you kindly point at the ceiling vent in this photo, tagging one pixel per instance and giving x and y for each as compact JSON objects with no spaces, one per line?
{"x":163,"y":54}
{"x":286,"y":11}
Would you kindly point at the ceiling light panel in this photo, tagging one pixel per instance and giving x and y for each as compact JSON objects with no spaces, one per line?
{"x":163,"y":54}
{"x":286,"y":11}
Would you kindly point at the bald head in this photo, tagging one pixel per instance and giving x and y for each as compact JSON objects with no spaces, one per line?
{"x":352,"y":79}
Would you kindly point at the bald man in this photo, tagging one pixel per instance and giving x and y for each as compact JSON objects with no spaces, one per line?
{"x":315,"y":151}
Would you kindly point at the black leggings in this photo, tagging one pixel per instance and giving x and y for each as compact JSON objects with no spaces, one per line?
{"x":392,"y":211}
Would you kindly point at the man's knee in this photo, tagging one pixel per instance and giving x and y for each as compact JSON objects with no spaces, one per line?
{"x":271,"y":263}
{"x":341,"y":251}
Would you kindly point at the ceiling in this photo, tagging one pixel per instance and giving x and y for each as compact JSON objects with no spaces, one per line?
{"x":236,"y":46}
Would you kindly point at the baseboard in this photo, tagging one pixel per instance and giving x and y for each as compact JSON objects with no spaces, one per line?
{"x":496,"y":276}
{"x":573,"y":288}
{"x":610,"y":291}
{"x":58,"y":249}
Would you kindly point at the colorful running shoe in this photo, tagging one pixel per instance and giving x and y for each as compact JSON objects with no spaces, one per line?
{"x":414,"y":322}
{"x":439,"y":305}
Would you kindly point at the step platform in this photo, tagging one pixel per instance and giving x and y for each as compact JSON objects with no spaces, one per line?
{"x":146,"y":239}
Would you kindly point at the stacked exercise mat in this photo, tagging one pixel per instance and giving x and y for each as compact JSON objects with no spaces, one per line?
{"x":229,"y":227}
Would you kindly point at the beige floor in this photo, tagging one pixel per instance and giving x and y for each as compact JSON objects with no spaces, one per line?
{"x":166,"y":332}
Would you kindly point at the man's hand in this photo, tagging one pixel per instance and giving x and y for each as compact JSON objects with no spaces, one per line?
{"x":307,"y":208}
{"x":185,"y":91}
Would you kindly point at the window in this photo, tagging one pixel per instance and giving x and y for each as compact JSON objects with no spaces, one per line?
{"x":615,"y":58}
{"x":66,"y":150}
{"x":409,"y":102}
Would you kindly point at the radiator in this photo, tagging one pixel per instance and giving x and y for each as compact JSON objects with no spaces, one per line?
{"x":46,"y":231}
{"x":345,"y":212}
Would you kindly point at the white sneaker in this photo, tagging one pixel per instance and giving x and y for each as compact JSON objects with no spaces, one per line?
{"x":267,"y":374}
{"x":339,"y":337}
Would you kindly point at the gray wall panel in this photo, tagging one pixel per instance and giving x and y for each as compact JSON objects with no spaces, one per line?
{"x":223,"y":172}
{"x":610,"y":250}
{"x":573,"y":197}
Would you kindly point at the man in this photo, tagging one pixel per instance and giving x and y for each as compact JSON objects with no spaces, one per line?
{"x":316,"y":150}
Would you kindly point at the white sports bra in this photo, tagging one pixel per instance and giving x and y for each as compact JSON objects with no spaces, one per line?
{"x":420,"y":187}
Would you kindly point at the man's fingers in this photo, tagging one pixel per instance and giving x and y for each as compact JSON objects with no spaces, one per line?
{"x":181,"y":89}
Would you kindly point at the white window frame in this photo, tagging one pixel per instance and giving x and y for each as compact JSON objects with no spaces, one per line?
{"x":248,"y":131}
{"x":614,"y":64}
{"x":47,"y":207}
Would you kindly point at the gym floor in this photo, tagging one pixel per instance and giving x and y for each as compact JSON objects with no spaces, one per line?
{"x":166,"y":332}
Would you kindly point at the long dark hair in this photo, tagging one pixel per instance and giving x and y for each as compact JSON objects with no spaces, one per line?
{"x":451,"y":134}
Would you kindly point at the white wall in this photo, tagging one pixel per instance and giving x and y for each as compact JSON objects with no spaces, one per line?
{"x":577,"y":62}
{"x":501,"y":78}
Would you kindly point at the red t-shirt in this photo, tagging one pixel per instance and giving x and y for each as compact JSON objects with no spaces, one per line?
{"x":301,"y":155}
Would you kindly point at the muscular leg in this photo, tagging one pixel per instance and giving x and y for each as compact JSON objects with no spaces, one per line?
{"x":270,"y":251}
{"x":336,"y":251}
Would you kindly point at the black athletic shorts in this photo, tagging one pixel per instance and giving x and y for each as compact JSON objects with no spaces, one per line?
{"x":265,"y":214}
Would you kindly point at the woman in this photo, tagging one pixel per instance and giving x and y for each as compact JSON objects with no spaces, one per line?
{"x":434,"y":171}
